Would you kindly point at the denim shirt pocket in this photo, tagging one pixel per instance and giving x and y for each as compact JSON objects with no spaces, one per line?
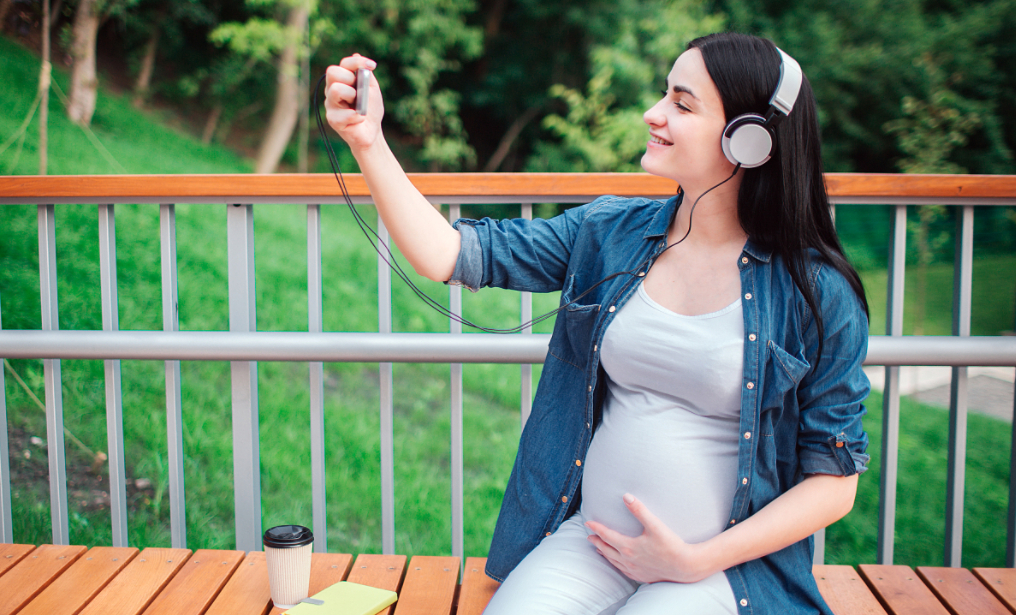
{"x":783,"y":373}
{"x":579,"y":322}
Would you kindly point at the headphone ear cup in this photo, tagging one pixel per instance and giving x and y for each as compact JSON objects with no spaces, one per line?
{"x":747,"y":141}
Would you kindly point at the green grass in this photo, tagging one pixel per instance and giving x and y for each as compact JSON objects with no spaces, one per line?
{"x":141,"y":143}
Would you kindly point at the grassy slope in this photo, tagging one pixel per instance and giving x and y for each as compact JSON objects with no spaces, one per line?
{"x":141,"y":144}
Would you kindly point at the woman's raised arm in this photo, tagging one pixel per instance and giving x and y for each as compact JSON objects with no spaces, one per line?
{"x":426,"y":239}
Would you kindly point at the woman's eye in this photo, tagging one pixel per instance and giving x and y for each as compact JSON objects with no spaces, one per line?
{"x":681,"y":107}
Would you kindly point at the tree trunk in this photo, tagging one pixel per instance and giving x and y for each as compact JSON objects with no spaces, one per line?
{"x":147,"y":64}
{"x":211,"y":124}
{"x":287,"y":97}
{"x":44,"y":82}
{"x":5,"y":8}
{"x":84,"y":82}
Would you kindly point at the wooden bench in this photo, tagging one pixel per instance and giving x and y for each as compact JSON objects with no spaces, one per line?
{"x":74,"y":580}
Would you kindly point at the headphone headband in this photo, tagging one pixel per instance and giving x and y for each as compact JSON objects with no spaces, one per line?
{"x":789,"y":86}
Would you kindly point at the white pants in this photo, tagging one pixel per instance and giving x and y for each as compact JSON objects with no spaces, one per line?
{"x":564,"y":575}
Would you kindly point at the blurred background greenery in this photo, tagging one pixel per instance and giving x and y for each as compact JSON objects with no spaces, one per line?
{"x":908,"y":85}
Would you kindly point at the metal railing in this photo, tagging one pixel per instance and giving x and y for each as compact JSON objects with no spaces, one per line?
{"x":243,"y":346}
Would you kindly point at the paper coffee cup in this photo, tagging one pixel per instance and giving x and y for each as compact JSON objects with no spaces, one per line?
{"x":287,"y":553}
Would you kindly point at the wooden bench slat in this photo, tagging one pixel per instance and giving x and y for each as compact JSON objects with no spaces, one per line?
{"x":33,"y":574}
{"x":381,"y":571}
{"x":246,"y":592}
{"x":1001,"y":582}
{"x":197,"y":583}
{"x":901,"y":590}
{"x":326,"y":569}
{"x":81,"y":582}
{"x":10,"y":555}
{"x":477,"y":588}
{"x":429,"y":588}
{"x":961,"y":592}
{"x":845,"y":592}
{"x":131,"y":591}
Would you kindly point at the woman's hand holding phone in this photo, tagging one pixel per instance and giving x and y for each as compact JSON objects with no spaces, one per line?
{"x":353,"y":104}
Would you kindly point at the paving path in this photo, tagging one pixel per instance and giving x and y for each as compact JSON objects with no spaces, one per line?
{"x":990,"y":389}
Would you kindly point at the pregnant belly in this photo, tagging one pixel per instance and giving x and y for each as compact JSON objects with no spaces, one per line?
{"x":682,"y":466}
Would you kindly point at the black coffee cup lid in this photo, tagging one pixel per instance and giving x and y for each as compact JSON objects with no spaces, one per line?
{"x":288,"y":537}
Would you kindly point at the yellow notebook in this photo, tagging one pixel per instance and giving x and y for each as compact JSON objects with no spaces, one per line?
{"x":345,"y":598}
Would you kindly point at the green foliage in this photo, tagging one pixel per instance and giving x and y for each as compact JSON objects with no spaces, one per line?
{"x":863,"y":58}
{"x":603,"y":129}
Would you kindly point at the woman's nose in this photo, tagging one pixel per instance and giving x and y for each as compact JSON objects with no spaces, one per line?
{"x":653,"y":116}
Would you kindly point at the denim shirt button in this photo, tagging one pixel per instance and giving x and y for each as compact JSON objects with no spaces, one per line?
{"x":750,"y":385}
{"x":744,"y":259}
{"x":596,"y":347}
{"x":747,"y":435}
{"x":564,"y":499}
{"x":839,"y":445}
{"x":747,"y":296}
{"x":751,"y":337}
{"x":744,"y":602}
{"x":612,"y":308}
{"x":744,"y":481}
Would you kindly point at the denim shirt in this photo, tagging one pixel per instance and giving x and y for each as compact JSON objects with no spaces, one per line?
{"x":795,"y":420}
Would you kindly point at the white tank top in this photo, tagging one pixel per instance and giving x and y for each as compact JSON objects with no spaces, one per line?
{"x":669,"y":433}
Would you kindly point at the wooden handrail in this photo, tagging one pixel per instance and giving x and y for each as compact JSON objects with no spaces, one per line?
{"x":294,"y":186}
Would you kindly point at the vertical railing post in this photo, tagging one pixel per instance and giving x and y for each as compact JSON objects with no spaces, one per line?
{"x":6,"y":531}
{"x":384,"y":316}
{"x":1010,"y":536}
{"x":51,"y":376}
{"x":526,"y":316}
{"x":244,"y":376}
{"x":962,"y":282}
{"x":891,"y":392}
{"x":174,"y":405}
{"x":455,"y":327}
{"x":315,"y":324}
{"x":114,"y":394}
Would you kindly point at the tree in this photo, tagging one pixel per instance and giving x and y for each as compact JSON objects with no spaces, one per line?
{"x":928,"y":133}
{"x":88,"y":17}
{"x":262,"y":39}
{"x":603,"y":129}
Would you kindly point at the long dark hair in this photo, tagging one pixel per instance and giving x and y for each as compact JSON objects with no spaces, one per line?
{"x":782,"y":205}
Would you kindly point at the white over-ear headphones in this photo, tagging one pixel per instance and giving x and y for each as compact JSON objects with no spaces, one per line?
{"x":748,"y":139}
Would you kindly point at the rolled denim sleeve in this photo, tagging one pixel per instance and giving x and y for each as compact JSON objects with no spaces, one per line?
{"x":469,"y":266}
{"x":832,"y":439}
{"x":519,"y":254}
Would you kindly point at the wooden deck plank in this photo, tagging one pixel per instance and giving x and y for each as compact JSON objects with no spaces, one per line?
{"x":246,"y":592}
{"x":961,"y":592}
{"x":196,"y":585}
{"x":10,"y":555}
{"x":139,"y":583}
{"x":429,"y":588}
{"x":33,"y":574}
{"x":901,"y":591}
{"x":477,"y":588}
{"x":1001,"y":582}
{"x":381,"y":571}
{"x":326,"y":569}
{"x":845,"y":592}
{"x":81,"y":582}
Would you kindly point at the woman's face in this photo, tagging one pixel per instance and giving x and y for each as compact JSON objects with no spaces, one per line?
{"x":685,"y":127}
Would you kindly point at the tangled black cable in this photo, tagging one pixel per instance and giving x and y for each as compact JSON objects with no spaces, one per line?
{"x":389,"y":258}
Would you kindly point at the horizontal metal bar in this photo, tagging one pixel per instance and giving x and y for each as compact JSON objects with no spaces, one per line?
{"x":417,"y":347}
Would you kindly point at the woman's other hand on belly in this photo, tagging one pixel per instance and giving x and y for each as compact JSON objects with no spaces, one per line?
{"x":658,"y":554}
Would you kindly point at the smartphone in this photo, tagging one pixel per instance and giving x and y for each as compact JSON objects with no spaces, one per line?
{"x":362,"y":89}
